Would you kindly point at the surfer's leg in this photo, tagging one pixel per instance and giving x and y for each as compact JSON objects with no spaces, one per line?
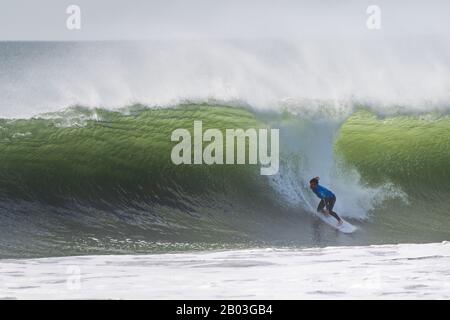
{"x":334,"y":214}
{"x":321,"y":206}
{"x":330,"y":204}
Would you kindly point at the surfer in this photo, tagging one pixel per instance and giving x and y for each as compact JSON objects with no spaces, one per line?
{"x":327,"y":198}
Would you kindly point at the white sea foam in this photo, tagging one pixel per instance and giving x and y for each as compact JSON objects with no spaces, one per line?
{"x":404,"y":271}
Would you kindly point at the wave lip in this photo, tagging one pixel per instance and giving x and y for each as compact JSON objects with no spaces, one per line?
{"x":391,"y":74}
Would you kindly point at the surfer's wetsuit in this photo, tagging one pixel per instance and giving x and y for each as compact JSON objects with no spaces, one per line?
{"x":327,"y":199}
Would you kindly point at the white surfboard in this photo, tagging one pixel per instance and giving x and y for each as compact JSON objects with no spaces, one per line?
{"x":345,"y":227}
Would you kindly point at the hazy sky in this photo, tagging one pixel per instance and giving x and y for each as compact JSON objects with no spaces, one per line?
{"x":141,"y":19}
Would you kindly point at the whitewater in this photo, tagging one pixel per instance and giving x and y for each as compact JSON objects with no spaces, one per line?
{"x":316,"y":77}
{"x":405,"y":271}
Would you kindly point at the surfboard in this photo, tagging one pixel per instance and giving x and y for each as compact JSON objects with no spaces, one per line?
{"x":345,"y":227}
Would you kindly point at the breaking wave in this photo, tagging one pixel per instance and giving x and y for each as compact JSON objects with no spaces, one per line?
{"x":86,"y":180}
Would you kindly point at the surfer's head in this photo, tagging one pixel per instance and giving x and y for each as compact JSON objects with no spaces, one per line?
{"x":313,"y":183}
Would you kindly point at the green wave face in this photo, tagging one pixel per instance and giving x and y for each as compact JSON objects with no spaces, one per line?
{"x":84,"y":151}
{"x":79,"y":174}
{"x":85,"y":174}
{"x":412,"y":152}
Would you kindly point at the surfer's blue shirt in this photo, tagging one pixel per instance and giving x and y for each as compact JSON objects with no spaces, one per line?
{"x":322,"y":192}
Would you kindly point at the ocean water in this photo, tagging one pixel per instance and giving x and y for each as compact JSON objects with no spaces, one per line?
{"x":85,"y":166}
{"x":85,"y":146}
{"x":405,"y":271}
